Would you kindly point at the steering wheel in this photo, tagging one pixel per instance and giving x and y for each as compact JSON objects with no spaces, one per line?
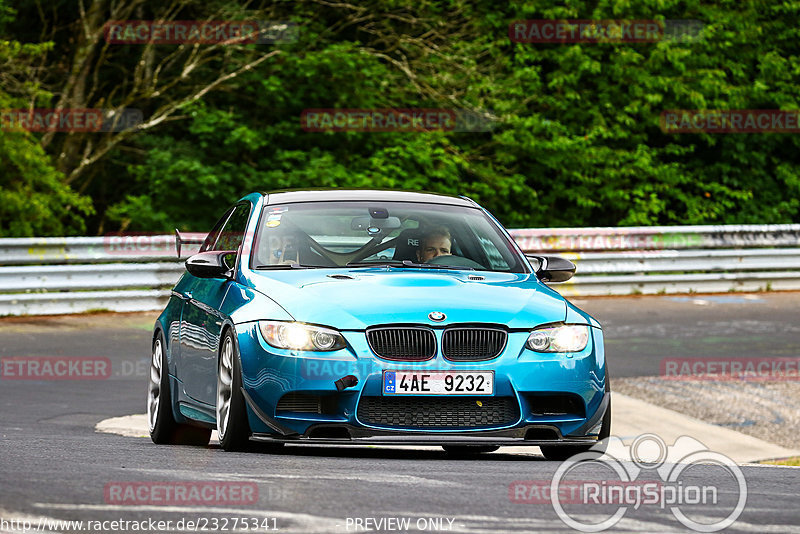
{"x":455,"y":261}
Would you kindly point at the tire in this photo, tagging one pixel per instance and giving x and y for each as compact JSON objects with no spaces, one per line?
{"x":467,"y":451}
{"x":232,"y":426}
{"x":163,"y":427}
{"x":564,"y":452}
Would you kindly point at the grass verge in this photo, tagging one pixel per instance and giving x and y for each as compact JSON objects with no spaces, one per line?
{"x":795,"y":461}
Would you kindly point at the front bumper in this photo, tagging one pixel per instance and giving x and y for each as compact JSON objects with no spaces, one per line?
{"x":523,"y":376}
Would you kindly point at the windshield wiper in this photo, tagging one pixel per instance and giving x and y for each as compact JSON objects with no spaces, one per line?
{"x":407,"y":263}
{"x":279,"y":266}
{"x":379,"y":263}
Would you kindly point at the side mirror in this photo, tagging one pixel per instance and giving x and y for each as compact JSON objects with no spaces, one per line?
{"x":552,"y":268}
{"x":212,"y":264}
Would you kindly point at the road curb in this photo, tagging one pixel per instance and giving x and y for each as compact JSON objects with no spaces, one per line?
{"x":632,"y":417}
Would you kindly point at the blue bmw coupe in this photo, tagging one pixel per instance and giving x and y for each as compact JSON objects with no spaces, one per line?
{"x":374,"y":317}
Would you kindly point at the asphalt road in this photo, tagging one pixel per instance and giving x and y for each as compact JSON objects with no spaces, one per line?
{"x":53,"y":464}
{"x":642,"y":331}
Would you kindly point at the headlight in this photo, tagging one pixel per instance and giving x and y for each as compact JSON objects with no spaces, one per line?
{"x":298,"y":336}
{"x":564,"y":338}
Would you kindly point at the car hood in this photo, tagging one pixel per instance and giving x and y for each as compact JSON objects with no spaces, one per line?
{"x":353,"y":299}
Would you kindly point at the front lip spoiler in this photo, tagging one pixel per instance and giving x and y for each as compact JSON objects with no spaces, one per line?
{"x":368,"y":436}
{"x":269,"y":421}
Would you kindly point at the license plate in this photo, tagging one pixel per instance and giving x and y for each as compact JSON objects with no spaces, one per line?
{"x":438,"y":382}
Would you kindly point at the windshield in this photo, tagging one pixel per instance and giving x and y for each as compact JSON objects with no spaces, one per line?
{"x":402,"y":234}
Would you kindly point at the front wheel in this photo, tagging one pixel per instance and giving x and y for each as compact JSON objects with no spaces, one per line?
{"x":232,"y":425}
{"x":163,"y":427}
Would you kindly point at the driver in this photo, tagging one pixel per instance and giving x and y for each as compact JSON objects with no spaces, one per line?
{"x":433,"y":243}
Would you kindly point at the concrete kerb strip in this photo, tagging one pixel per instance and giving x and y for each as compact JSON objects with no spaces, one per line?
{"x":630,"y":418}
{"x":131,"y":426}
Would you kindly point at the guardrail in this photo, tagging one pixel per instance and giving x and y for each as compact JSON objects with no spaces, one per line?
{"x":134,"y":273}
{"x":673,"y":259}
{"x":57,"y":275}
{"x":108,"y":249}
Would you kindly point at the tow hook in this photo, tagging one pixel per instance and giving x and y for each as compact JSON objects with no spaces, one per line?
{"x":346,"y":382}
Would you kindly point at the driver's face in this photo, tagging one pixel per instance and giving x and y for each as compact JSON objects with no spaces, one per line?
{"x":432,"y":247}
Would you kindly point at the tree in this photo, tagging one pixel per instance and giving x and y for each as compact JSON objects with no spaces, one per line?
{"x":576,"y":138}
{"x":34,"y":200}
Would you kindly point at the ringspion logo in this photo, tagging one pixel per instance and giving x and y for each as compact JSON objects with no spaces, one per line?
{"x":587,"y":491}
{"x":648,"y":473}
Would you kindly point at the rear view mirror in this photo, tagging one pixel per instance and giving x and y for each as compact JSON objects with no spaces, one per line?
{"x":552,"y":268}
{"x":375,"y":226}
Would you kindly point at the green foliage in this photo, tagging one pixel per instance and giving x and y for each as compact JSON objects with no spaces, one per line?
{"x":34,"y":200}
{"x":577,"y":140}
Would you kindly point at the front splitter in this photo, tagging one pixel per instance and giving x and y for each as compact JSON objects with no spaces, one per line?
{"x":352,"y":435}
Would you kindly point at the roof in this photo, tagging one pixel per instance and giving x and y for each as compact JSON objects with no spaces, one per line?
{"x":322,"y":195}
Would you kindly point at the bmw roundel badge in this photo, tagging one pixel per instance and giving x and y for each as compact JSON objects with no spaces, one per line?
{"x":436,"y":316}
